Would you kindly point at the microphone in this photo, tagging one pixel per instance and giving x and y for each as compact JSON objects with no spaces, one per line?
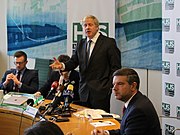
{"x":54,"y":85}
{"x":55,"y":102}
{"x":68,"y":96}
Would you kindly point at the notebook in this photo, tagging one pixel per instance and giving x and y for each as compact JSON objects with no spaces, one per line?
{"x":15,"y":100}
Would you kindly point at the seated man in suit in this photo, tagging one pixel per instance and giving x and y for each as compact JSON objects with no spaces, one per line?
{"x":140,"y":117}
{"x":20,"y":79}
{"x":63,"y":78}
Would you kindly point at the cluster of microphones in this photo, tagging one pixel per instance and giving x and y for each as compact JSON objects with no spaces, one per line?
{"x":62,"y":99}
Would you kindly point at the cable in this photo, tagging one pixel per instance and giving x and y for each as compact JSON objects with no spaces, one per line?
{"x":175,"y":130}
{"x":21,"y":121}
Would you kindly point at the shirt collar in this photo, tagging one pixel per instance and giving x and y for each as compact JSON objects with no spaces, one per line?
{"x":94,"y":39}
{"x":22,"y":71}
{"x":127,"y":103}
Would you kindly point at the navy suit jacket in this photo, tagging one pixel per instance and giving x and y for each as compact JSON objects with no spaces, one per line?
{"x":140,"y":118}
{"x":54,"y":76}
{"x":96,"y":76}
{"x":30,"y":81}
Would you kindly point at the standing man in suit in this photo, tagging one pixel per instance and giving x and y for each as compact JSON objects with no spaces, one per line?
{"x":63,"y":78}
{"x":140,"y":117}
{"x":95,"y":69}
{"x":20,"y":79}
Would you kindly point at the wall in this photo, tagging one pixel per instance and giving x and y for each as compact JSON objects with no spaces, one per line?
{"x":3,"y":41}
{"x":150,"y":80}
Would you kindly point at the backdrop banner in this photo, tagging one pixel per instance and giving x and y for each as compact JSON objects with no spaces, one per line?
{"x":170,"y":67}
{"x":77,"y":9}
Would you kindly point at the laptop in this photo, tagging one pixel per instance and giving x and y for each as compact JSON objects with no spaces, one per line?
{"x":15,"y":100}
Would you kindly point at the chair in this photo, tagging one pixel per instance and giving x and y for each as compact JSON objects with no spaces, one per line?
{"x":42,"y":65}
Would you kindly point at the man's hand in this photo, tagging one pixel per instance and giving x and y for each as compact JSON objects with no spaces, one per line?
{"x":16,"y":81}
{"x":8,"y":78}
{"x":56,"y":64}
{"x":37,"y":94}
{"x":98,"y":132}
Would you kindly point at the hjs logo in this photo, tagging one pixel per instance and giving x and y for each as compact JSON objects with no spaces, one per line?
{"x":178,"y":112}
{"x":166,"y":24}
{"x":165,"y":67}
{"x":169,"y":46}
{"x":78,"y":34}
{"x":178,"y":69}
{"x":178,"y":24}
{"x":169,"y":89}
{"x":166,"y":109}
{"x":169,"y":129}
{"x":169,"y":5}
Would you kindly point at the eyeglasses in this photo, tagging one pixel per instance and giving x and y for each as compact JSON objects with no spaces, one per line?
{"x":19,"y":63}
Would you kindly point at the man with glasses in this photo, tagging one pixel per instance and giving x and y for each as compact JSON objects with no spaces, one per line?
{"x":20,"y":79}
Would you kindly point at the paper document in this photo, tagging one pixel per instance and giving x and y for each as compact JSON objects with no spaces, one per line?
{"x":95,"y":114}
{"x":102,"y":123}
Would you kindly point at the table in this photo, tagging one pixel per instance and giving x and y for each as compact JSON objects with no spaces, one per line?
{"x":13,"y":121}
{"x":81,"y":125}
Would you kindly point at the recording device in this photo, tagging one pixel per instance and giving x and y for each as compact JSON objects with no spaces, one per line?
{"x":54,"y":86}
{"x":55,"y":118}
{"x":68,"y":95}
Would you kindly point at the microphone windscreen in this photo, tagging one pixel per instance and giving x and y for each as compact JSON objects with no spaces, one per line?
{"x":30,"y":102}
{"x":70,"y":87}
{"x":55,"y":84}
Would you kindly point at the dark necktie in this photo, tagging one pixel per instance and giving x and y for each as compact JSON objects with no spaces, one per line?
{"x":124,"y":109}
{"x":18,"y":77}
{"x":88,"y":48}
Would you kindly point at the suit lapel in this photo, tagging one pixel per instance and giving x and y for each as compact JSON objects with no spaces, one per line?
{"x":24,"y":75}
{"x":96,"y":47}
{"x":85,"y":52}
{"x":126,"y":113}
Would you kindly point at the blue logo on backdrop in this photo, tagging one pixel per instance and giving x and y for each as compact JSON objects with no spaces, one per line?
{"x":178,"y":69}
{"x":178,"y":24}
{"x":165,"y":67}
{"x":169,"y":89}
{"x":169,"y":129}
{"x":169,"y":46}
{"x":169,"y":5}
{"x":166,"y":24}
{"x":166,"y":109}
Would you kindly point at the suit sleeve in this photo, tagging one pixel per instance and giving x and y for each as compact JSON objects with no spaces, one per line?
{"x":2,"y":81}
{"x":115,"y":132}
{"x":54,"y":76}
{"x":136,"y":123}
{"x":114,"y":55}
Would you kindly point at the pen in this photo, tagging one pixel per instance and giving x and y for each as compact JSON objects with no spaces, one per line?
{"x":105,"y":122}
